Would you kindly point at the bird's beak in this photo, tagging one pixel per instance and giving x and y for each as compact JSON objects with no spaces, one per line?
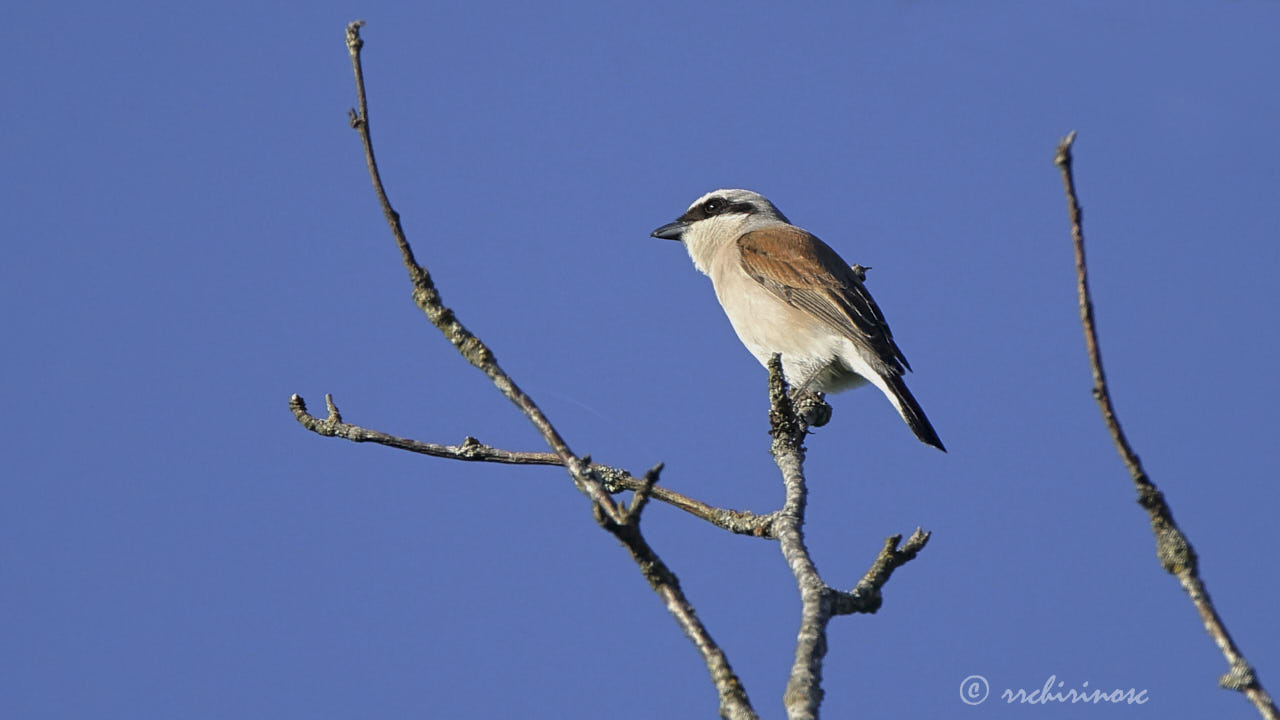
{"x":670,"y":231}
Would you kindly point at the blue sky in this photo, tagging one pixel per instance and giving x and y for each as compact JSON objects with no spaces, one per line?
{"x":191,"y":237}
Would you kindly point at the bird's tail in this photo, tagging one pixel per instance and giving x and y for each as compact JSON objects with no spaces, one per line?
{"x":910,"y":411}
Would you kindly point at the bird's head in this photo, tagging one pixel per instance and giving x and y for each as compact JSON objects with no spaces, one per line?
{"x":719,"y":217}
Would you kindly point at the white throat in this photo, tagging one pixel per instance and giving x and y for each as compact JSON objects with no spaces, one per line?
{"x":705,"y":238}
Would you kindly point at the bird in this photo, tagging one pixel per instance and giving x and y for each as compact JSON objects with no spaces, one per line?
{"x":787,"y":292}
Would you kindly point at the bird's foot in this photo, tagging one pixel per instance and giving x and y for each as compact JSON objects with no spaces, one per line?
{"x":811,"y":407}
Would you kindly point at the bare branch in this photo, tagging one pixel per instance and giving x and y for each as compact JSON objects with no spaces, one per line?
{"x":865,"y":597}
{"x":623,"y":523}
{"x":818,"y":601}
{"x":734,"y":704}
{"x":1172,"y":546}
{"x":428,"y":300}
{"x":804,"y":687}
{"x":614,"y":480}
{"x":471,"y":449}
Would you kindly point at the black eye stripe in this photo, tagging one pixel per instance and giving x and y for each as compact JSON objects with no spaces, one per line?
{"x":716,"y":206}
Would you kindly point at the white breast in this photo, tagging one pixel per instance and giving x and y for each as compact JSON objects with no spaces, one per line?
{"x":811,"y":352}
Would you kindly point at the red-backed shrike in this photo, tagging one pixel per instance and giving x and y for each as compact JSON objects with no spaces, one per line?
{"x":785,"y":291}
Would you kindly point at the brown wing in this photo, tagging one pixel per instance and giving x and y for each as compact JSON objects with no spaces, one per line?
{"x":805,"y":272}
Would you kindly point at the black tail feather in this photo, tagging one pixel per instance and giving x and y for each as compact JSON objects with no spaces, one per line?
{"x":911,"y":412}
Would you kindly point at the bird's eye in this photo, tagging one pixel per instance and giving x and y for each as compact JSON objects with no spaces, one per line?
{"x":712,"y":206}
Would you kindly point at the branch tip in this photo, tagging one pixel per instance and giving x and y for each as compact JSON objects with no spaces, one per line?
{"x":1063,"y":156}
{"x":334,"y":415}
{"x":354,"y":42}
{"x":642,"y":494}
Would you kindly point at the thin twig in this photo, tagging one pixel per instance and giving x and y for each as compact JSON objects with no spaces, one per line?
{"x":1172,"y":546}
{"x":615,"y":480}
{"x":622,"y":522}
{"x":866,"y":597}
